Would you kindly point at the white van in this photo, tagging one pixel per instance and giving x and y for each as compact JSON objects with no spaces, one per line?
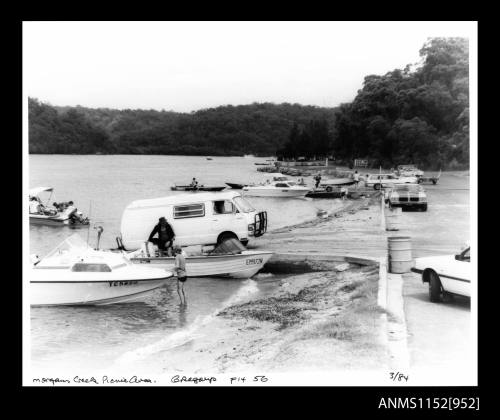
{"x":197,"y":218}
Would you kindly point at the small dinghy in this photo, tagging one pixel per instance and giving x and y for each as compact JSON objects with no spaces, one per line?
{"x":228,"y":259}
{"x":75,"y":274}
{"x":324,"y":193}
{"x":235,"y":186}
{"x":198,"y":188}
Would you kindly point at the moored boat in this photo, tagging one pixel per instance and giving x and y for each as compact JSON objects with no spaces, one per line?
{"x":277,"y":189}
{"x":47,"y":215}
{"x":336,"y":182}
{"x":75,"y":274}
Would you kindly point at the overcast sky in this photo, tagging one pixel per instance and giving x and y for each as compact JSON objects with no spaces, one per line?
{"x":185,"y":66}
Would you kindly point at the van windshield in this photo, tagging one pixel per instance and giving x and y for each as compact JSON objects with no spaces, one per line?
{"x":243,"y":205}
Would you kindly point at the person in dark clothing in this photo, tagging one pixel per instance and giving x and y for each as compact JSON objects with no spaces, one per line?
{"x":318,"y":180}
{"x":165,"y":238}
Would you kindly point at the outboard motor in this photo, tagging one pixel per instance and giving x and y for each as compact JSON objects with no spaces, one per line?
{"x":99,"y":232}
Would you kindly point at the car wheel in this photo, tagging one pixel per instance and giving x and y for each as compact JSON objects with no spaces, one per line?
{"x":435,"y":287}
{"x":329,"y":189}
{"x":423,"y":207}
{"x":434,"y":181}
{"x":376,"y":186}
{"x":224,"y":236}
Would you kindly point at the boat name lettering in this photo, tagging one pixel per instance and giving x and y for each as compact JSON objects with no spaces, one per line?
{"x":197,"y":379}
{"x":122,"y":283}
{"x":253,"y":261}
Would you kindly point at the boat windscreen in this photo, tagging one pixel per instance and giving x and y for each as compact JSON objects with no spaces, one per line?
{"x":74,"y":242}
{"x":228,"y":246}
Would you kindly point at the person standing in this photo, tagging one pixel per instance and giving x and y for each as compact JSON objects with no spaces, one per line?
{"x":318,"y":180}
{"x":35,"y":207}
{"x":165,"y":238}
{"x":194,"y":184}
{"x":180,"y":272}
{"x":356,"y":179}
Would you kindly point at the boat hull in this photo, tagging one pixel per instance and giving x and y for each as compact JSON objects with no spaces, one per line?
{"x":189,"y":188}
{"x":91,"y":293}
{"x":270,"y":192}
{"x":57,"y":285}
{"x":52,"y":221}
{"x":234,"y":186}
{"x":337,"y":182}
{"x":243,"y":265}
{"x":325,"y":194}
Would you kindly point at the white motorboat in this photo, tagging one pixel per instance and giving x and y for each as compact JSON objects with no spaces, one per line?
{"x":229,"y":259}
{"x":277,"y":189}
{"x":51,"y":216}
{"x":75,"y":274}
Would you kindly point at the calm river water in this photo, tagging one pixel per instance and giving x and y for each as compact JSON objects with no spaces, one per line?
{"x":95,"y":337}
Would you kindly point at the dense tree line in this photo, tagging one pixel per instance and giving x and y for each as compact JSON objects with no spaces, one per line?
{"x":412,"y":116}
{"x":311,"y":141}
{"x":419,"y":114}
{"x":258,"y":129}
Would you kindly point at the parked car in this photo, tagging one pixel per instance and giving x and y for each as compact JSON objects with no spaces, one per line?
{"x":446,"y":274}
{"x":378,"y":181}
{"x":198,"y":218}
{"x":407,"y":196}
{"x":409,"y":170}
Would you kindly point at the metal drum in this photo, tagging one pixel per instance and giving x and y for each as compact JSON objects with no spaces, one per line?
{"x":392,"y":218}
{"x":400,"y":260}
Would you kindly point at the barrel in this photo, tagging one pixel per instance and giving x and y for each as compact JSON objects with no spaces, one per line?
{"x":400,"y":260}
{"x":392,"y":218}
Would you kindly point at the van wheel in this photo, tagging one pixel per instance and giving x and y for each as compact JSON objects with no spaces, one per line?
{"x":435,"y":287}
{"x":226,"y":235}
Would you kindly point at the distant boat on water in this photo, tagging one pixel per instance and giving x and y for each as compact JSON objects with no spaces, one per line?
{"x":198,"y":188}
{"x":209,"y":158}
{"x":235,"y":186}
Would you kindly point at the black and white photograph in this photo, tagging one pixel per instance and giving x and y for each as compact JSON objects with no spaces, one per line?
{"x":249,"y":204}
